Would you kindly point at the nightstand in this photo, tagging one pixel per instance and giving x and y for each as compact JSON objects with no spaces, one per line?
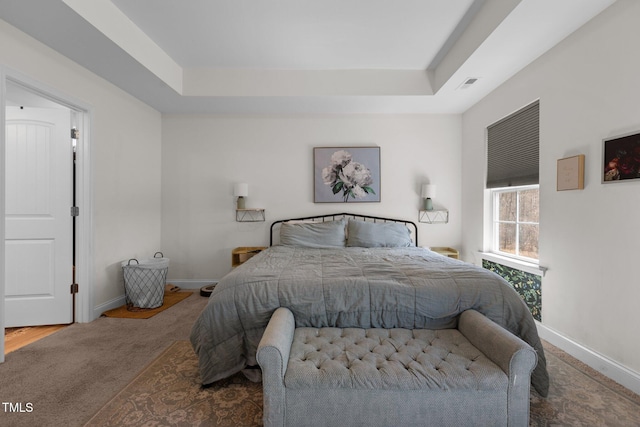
{"x":446,"y":251}
{"x":243,"y":253}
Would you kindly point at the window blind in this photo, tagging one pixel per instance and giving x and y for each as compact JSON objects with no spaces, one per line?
{"x":513,"y":145}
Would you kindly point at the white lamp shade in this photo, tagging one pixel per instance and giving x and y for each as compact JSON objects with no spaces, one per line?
{"x":241,"y":190}
{"x":428,"y":191}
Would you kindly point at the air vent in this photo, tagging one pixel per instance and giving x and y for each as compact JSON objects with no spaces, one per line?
{"x":468,"y":82}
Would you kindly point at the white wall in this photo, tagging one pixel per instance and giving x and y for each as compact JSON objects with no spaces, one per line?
{"x":588,"y":90}
{"x":203,"y":156}
{"x":125,"y":147}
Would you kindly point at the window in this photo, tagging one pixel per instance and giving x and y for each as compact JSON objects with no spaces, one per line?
{"x":513,"y":177}
{"x":516,"y":221}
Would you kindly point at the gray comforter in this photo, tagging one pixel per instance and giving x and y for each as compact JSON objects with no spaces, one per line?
{"x":351,"y":287}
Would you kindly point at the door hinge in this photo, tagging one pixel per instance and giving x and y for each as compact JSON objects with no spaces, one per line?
{"x":75,"y":211}
{"x":75,"y":133}
{"x":74,"y":288}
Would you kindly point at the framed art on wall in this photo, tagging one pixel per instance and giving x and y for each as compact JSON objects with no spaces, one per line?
{"x":346,"y":174}
{"x":571,"y":173}
{"x":621,"y":158}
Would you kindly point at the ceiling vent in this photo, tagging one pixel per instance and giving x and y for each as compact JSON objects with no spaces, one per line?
{"x":468,"y":82}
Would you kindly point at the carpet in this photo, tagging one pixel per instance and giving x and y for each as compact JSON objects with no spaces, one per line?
{"x":172,"y":296}
{"x":168,"y":393}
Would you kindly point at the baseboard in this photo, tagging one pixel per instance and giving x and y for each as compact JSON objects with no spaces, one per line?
{"x":109,"y":305}
{"x":607,"y":367}
{"x":191,"y":283}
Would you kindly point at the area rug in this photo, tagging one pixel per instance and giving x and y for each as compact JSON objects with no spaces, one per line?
{"x":168,"y":393}
{"x":172,"y":296}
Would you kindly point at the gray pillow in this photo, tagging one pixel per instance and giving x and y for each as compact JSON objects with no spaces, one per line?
{"x":378,"y":234}
{"x":329,"y":234}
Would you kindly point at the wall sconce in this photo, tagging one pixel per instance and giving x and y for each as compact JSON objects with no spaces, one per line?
{"x":241,"y":190}
{"x":428,"y":192}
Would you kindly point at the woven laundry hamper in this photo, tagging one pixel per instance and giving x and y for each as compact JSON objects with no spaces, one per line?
{"x":144,"y":281}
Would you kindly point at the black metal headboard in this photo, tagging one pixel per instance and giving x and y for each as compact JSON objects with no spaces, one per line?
{"x":337,"y":216}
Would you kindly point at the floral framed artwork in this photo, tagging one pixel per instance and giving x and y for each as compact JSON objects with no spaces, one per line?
{"x":346,"y":174}
{"x":621,"y":155}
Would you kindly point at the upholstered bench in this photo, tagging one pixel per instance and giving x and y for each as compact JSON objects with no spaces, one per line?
{"x":477,"y":374}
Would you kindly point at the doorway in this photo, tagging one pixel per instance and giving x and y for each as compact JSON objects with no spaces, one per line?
{"x":19,"y":92}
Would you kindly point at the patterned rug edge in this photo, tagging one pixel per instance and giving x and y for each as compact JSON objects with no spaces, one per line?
{"x":168,"y":392}
{"x":596,"y":376}
{"x":150,"y":365}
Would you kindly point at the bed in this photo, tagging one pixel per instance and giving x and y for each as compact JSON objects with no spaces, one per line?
{"x":347,"y":270}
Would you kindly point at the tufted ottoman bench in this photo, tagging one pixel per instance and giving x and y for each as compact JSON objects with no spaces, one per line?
{"x":477,"y":374}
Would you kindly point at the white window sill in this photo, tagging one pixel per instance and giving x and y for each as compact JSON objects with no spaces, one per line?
{"x":528,"y":267}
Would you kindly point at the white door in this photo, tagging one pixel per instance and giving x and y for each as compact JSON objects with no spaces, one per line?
{"x":39,"y":233}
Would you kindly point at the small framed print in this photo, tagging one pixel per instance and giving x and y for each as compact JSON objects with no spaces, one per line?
{"x":571,"y":173}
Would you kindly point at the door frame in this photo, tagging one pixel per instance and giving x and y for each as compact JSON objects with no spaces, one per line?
{"x":84,"y":196}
